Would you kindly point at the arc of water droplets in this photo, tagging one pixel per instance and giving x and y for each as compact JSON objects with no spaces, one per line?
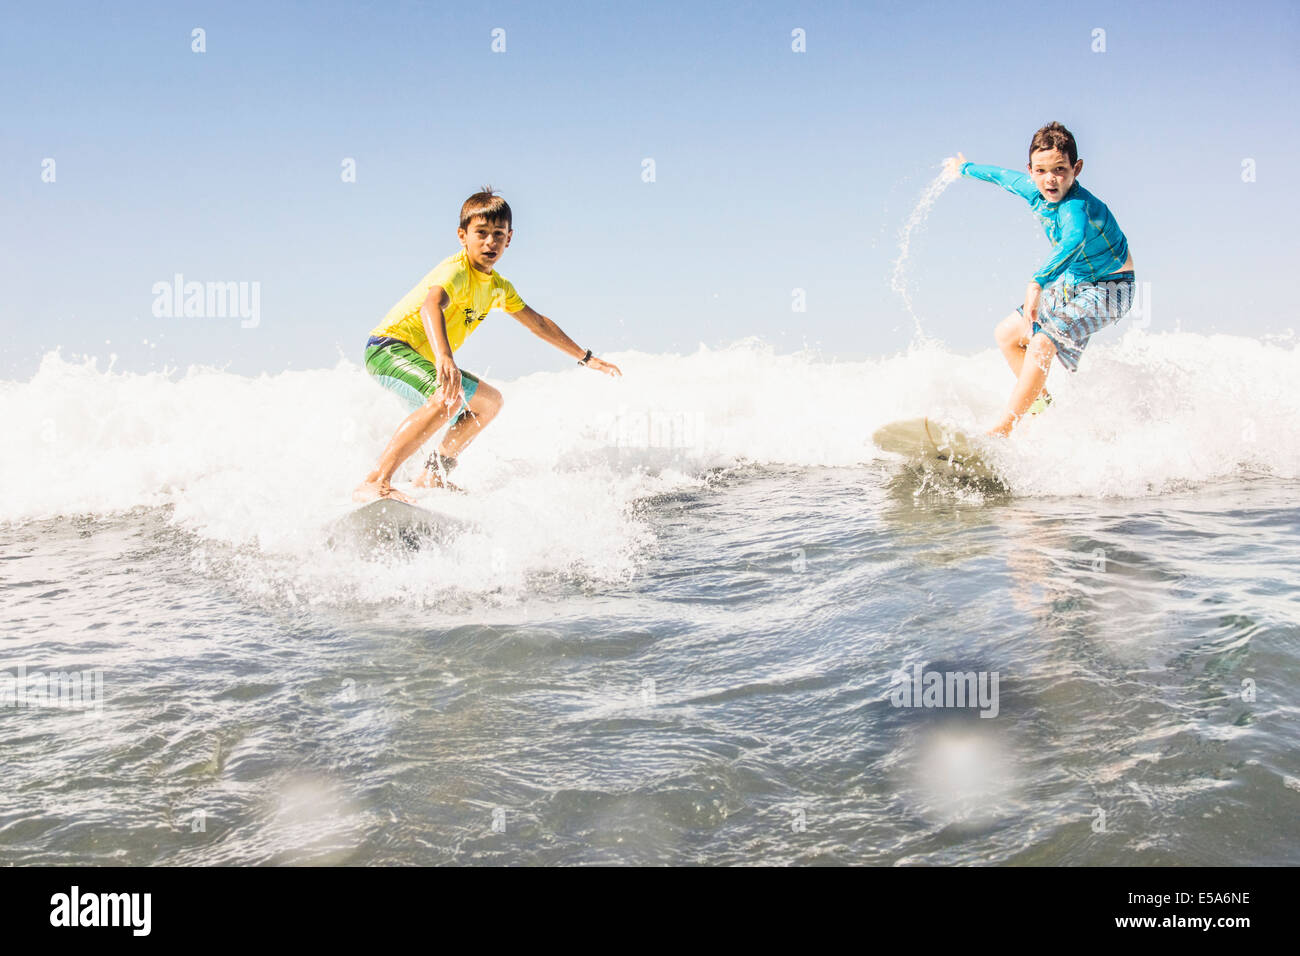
{"x":898,"y":281}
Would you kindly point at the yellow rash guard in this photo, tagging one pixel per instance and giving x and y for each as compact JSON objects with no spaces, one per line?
{"x":472,"y":295}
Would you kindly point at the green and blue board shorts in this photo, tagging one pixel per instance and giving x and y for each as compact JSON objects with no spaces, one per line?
{"x":1069,"y":315}
{"x":402,"y":370}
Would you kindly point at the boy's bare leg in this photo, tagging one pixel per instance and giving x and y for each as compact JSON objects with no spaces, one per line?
{"x":1012,"y":338}
{"x":1037,"y":360}
{"x":1012,"y":335}
{"x":415,"y":430}
{"x":483,"y":407}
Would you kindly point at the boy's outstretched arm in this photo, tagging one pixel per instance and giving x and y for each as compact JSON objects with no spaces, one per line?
{"x":1011,"y":180}
{"x":953,"y":164}
{"x":548,"y":331}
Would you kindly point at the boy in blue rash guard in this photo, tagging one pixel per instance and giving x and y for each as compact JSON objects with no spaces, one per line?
{"x":1086,"y":283}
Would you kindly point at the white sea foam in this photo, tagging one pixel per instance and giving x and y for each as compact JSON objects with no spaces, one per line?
{"x":261,"y":463}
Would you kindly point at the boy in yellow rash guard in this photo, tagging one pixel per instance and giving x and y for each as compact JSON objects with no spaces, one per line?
{"x":410,"y":351}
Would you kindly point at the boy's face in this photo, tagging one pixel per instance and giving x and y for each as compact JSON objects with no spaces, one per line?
{"x":1052,"y":173}
{"x":485,"y":242}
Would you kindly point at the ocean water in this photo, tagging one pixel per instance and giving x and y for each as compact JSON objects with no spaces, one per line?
{"x":683,"y":629}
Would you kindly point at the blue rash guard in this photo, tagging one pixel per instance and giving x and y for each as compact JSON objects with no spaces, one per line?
{"x":1087,"y":244}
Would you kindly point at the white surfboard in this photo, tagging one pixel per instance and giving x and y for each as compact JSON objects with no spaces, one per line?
{"x":939,"y":445}
{"x":387,"y":522}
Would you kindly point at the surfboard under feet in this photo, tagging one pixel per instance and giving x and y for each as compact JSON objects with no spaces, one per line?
{"x":939,"y":445}
{"x":388,"y":522}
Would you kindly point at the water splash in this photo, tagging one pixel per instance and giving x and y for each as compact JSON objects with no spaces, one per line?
{"x":898,"y":280}
{"x":243,"y":458}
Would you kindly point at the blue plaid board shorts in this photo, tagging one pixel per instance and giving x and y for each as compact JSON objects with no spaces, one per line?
{"x":1070,"y":315}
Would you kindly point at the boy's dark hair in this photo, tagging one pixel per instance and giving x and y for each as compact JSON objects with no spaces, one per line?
{"x":489,"y":205}
{"x":1054,"y":136}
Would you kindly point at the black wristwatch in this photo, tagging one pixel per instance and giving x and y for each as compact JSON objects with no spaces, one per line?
{"x":585,"y":358}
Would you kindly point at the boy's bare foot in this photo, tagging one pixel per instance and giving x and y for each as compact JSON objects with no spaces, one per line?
{"x":1003,"y":428}
{"x":374,"y":490}
{"x":428,"y":478}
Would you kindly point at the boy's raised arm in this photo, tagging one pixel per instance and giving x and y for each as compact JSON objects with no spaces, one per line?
{"x":1011,"y":180}
{"x":548,"y":331}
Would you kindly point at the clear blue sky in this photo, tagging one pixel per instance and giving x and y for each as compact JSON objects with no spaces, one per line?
{"x":775,"y":170}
